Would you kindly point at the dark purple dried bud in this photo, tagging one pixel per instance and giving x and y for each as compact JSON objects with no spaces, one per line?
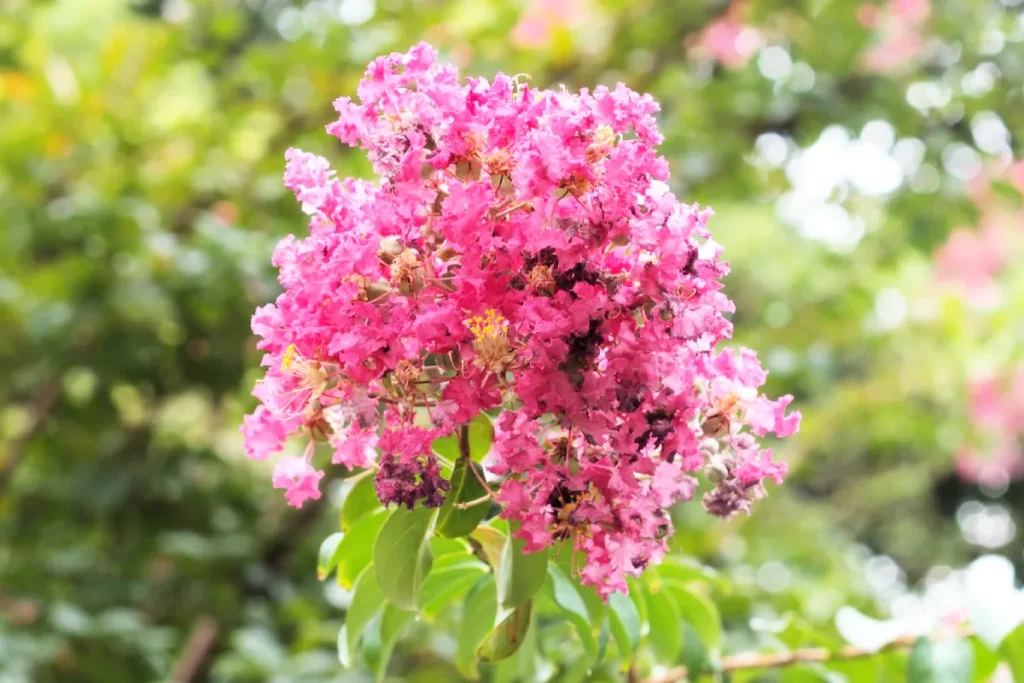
{"x":406,"y":483}
{"x":730,"y":497}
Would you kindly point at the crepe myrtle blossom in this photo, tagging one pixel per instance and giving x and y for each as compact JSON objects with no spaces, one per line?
{"x":521,"y":252}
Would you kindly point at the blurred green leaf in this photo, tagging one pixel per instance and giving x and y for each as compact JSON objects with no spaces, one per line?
{"x":393,"y":623}
{"x":698,"y":611}
{"x":947,"y":661}
{"x":367,"y":601}
{"x":666,"y":631}
{"x":478,"y":617}
{"x":625,"y":624}
{"x":1012,"y":652}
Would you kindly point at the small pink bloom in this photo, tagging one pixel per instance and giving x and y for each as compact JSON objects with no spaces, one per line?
{"x":299,"y":478}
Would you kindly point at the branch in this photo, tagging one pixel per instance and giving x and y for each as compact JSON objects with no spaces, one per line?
{"x":464,"y":443}
{"x":42,"y":404}
{"x":197,"y":653}
{"x":775,"y":660}
{"x":202,"y":645}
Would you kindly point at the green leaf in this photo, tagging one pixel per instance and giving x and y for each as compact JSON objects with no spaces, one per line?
{"x":442,"y":587}
{"x":478,"y":615}
{"x":698,"y":611}
{"x":1012,"y":652}
{"x":441,"y":547}
{"x":367,"y":601}
{"x":686,"y":571}
{"x":465,"y":487}
{"x":567,"y":598}
{"x":695,"y":654}
{"x":985,"y":660}
{"x":624,"y":621}
{"x":579,"y":671}
{"x":488,"y":543}
{"x":355,"y":552}
{"x":481,"y":434}
{"x":947,"y":661}
{"x":344,"y":655}
{"x":392,"y":624}
{"x":603,"y":636}
{"x":520,"y":574}
{"x":507,"y":636}
{"x":401,"y":555}
{"x":1008,"y":191}
{"x":327,"y":560}
{"x":360,"y":500}
{"x":666,"y":634}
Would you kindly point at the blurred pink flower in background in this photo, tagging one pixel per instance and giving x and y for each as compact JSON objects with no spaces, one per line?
{"x":994,"y":468}
{"x":979,"y":264}
{"x":728,"y":40}
{"x":971,"y":260}
{"x":996,"y":406}
{"x":900,"y":25}
{"x":542,"y":18}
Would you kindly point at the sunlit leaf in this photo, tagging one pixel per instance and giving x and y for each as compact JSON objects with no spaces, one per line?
{"x":361,"y":499}
{"x":326,"y":559}
{"x":355,"y":552}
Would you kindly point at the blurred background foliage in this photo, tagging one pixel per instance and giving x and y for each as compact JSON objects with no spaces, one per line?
{"x":860,"y":158}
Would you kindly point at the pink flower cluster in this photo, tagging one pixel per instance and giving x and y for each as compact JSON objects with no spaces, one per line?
{"x":522,"y":253}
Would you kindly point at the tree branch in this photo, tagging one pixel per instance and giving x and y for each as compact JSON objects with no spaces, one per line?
{"x":197,"y":653}
{"x":464,"y":442}
{"x":776,"y":660}
{"x":41,"y":405}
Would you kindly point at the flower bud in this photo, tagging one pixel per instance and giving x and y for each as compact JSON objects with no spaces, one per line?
{"x":711,"y":446}
{"x":717,"y":469}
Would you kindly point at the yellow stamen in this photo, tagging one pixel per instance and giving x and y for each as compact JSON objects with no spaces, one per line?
{"x":288,"y":357}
